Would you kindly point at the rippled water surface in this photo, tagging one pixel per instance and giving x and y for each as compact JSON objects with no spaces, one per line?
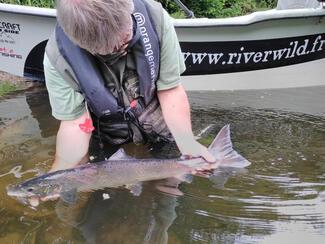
{"x":279,"y":198}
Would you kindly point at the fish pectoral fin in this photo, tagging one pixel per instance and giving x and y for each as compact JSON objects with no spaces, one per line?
{"x":185,"y":178}
{"x":69,"y":196}
{"x":135,"y":189}
{"x":174,"y":191}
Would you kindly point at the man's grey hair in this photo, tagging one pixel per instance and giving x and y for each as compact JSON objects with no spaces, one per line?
{"x":99,"y":26}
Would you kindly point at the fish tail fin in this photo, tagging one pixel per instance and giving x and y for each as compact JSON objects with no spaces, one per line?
{"x":222,"y":149}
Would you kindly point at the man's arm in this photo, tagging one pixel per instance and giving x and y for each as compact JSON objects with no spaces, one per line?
{"x":176,"y":111}
{"x":172,"y":97}
{"x":72,"y":144}
{"x":69,"y":108}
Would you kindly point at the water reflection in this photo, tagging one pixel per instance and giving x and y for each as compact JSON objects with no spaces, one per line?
{"x":279,"y":197}
{"x":26,"y":127}
{"x":123,"y":218}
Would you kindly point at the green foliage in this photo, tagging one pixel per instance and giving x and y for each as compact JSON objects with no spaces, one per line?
{"x":220,"y":8}
{"x":201,"y":8}
{"x":6,"y":88}
{"x":36,"y":3}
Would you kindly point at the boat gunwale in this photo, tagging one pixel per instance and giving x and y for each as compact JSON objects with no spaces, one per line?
{"x":250,"y":19}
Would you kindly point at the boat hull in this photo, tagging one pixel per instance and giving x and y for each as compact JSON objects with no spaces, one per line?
{"x":300,"y":75}
{"x":264,"y":50}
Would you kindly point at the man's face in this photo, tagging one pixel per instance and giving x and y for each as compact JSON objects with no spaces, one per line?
{"x":121,"y":49}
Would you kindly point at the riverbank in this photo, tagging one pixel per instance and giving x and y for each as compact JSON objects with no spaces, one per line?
{"x":11,"y":83}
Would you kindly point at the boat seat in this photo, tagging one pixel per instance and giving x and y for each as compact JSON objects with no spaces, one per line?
{"x":297,"y":4}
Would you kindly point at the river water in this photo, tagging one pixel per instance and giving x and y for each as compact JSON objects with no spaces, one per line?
{"x":279,"y":198}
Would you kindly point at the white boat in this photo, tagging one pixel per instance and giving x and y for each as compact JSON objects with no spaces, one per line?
{"x":278,"y":48}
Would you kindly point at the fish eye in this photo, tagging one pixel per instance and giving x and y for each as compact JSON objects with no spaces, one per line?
{"x":30,"y":189}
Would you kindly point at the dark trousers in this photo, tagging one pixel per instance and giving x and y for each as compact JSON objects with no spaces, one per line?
{"x":100,"y":152}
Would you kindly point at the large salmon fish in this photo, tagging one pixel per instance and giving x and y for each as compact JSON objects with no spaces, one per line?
{"x":123,"y":170}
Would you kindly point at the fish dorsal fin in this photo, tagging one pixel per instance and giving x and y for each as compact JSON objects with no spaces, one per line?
{"x":222,"y":149}
{"x":120,"y":155}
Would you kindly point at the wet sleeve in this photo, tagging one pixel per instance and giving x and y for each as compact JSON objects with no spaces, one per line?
{"x":66,"y":103}
{"x":171,"y":59}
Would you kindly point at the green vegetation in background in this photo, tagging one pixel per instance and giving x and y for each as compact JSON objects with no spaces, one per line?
{"x":201,"y":8}
{"x":35,"y":3}
{"x":6,"y":88}
{"x":218,"y":8}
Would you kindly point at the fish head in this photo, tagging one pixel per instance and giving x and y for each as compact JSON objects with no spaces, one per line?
{"x":32,"y":189}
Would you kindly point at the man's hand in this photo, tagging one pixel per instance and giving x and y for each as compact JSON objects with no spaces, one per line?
{"x":195,"y":149}
{"x":192,"y":148}
{"x":35,"y":201}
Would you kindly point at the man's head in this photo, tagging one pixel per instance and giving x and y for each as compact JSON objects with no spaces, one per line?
{"x":99,"y":26}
